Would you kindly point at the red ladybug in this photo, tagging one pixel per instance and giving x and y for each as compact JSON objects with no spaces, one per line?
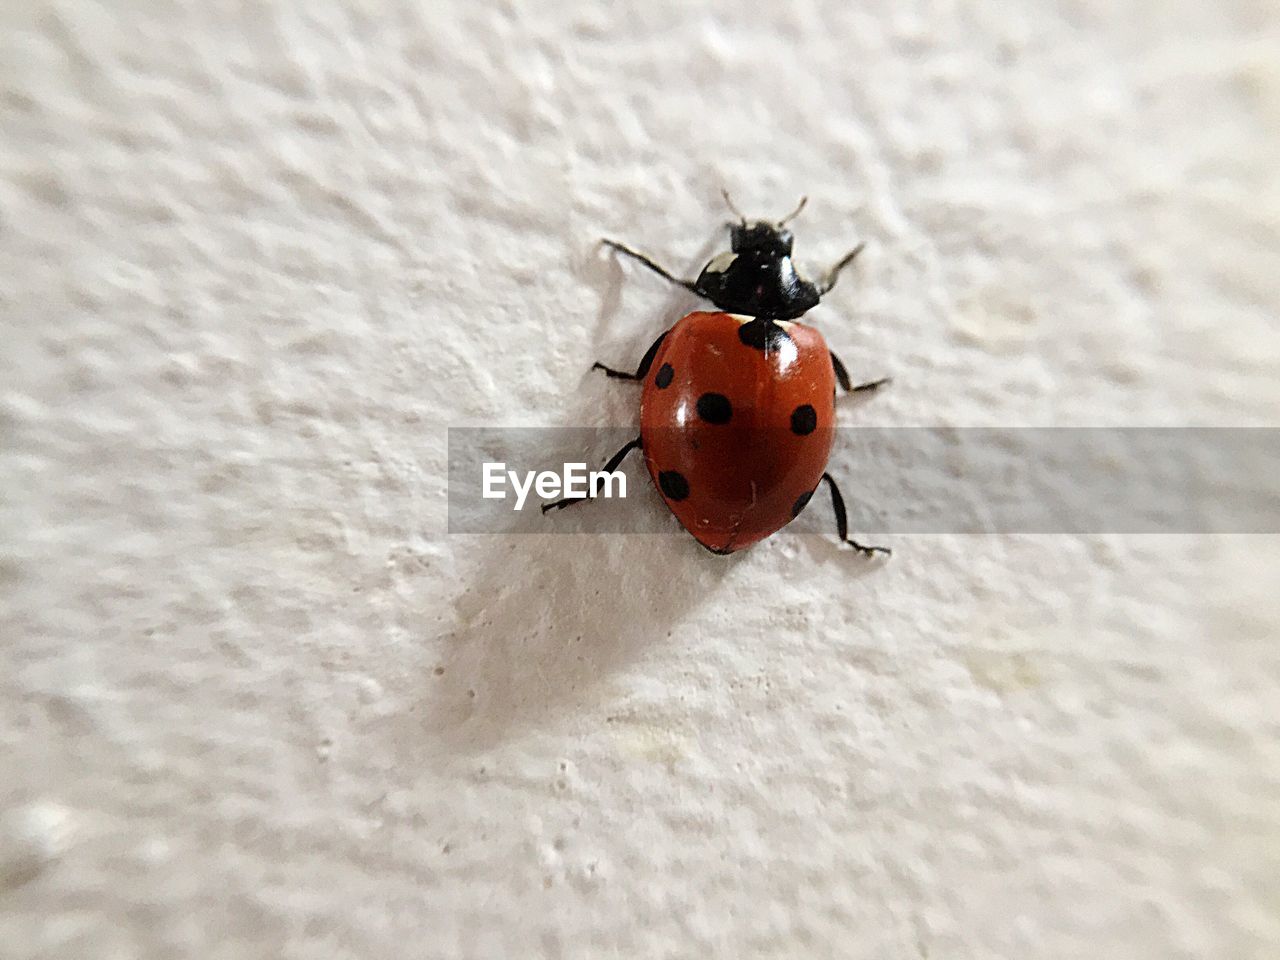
{"x":737,"y":413}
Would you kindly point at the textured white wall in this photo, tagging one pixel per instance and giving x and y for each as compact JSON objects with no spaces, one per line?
{"x":255,"y":702}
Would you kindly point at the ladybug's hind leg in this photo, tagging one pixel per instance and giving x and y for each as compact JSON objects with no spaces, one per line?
{"x":609,"y":467}
{"x":842,"y":376}
{"x":656,"y":268}
{"x":645,"y":363}
{"x":842,"y":521}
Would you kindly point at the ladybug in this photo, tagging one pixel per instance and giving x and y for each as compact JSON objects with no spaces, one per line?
{"x":737,"y":409}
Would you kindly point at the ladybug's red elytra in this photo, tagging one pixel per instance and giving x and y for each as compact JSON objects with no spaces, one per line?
{"x":737,"y":410}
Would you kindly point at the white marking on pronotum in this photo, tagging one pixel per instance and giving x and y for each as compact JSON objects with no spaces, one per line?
{"x":721,"y":262}
{"x":574,"y":482}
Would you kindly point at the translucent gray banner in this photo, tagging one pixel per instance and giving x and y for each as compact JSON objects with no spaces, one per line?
{"x":917,"y":480}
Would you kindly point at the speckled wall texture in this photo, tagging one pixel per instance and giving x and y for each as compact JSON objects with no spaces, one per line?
{"x":256,"y":702}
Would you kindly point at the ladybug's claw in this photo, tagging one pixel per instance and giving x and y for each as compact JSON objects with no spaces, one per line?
{"x":869,"y":551}
{"x":842,"y":377}
{"x":842,"y":522}
{"x":560,"y":504}
{"x":645,"y":363}
{"x":617,"y":374}
{"x":871,"y":385}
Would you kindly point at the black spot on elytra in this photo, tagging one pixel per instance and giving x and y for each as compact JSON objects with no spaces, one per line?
{"x":674,"y":485}
{"x":715,"y":408}
{"x":663,"y":379}
{"x":804,"y":419}
{"x":802,"y":501}
{"x":762,"y":334}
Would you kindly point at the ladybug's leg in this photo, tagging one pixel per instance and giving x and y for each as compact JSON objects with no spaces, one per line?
{"x":645,"y":363}
{"x":842,"y":375}
{"x":609,"y":467}
{"x":833,"y":274}
{"x":659,"y":270}
{"x":842,"y":521}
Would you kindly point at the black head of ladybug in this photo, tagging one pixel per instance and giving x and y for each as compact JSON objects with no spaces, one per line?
{"x":762,"y":239}
{"x":756,"y":276}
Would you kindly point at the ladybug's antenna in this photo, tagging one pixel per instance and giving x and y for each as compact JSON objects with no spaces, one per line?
{"x":794,"y":213}
{"x":732,"y":209}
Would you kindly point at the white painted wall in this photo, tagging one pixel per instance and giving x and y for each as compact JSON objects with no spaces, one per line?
{"x":255,"y":702}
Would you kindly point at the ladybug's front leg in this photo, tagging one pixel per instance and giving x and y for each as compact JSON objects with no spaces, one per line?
{"x":829,"y":281}
{"x":842,"y":375}
{"x":655,"y":267}
{"x":842,"y":521}
{"x":645,"y":363}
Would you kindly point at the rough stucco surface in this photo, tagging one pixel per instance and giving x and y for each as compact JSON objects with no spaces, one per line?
{"x":254,"y":700}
